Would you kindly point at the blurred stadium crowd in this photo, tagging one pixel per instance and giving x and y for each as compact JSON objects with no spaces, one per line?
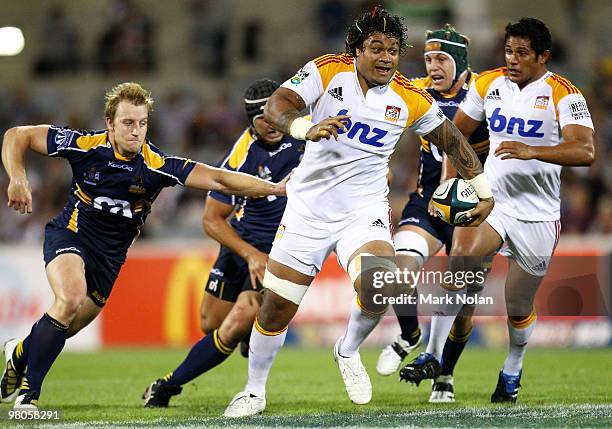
{"x":195,"y":124}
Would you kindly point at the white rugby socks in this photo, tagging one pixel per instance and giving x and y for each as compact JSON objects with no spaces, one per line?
{"x":440,"y":327}
{"x":519,"y":332}
{"x":263,"y":347}
{"x":359,"y":327}
{"x":443,"y":318}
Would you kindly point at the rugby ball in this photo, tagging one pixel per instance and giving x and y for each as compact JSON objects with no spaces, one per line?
{"x":452,"y":199}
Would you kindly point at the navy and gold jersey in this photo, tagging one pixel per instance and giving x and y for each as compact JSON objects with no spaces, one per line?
{"x":430,"y":168}
{"x":111,"y":196}
{"x":256,"y":219}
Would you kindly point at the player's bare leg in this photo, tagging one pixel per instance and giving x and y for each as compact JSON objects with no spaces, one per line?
{"x":208,"y":352}
{"x":521,"y":288}
{"x":240,"y":319}
{"x":365,"y":315}
{"x":268,"y":334}
{"x":85,"y":315}
{"x":66,"y":275}
{"x":470,"y":247}
{"x":413,"y":247}
{"x":213,"y":312}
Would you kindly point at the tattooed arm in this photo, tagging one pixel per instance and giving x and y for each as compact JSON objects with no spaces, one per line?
{"x":451,"y":141}
{"x":283,"y":108}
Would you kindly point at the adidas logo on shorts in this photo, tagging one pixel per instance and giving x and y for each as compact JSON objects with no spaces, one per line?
{"x":336,"y":93}
{"x":379,"y":223}
{"x":540,"y":267}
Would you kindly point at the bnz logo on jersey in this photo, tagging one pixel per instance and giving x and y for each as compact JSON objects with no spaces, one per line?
{"x":498,"y":123}
{"x":367,"y":135}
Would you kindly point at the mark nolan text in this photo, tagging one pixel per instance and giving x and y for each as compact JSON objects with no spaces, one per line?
{"x":430,"y":299}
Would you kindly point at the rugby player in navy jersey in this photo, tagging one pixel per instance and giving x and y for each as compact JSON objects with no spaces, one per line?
{"x":117,"y":174}
{"x":419,"y":235}
{"x":233,"y":291}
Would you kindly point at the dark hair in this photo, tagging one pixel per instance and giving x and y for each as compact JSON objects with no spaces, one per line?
{"x":532,"y":29}
{"x":377,"y":20}
{"x":256,"y":95}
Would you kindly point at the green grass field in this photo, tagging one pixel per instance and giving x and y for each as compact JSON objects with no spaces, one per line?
{"x":566,"y":388}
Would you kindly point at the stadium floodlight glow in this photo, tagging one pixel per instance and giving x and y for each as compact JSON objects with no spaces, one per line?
{"x":11,"y":41}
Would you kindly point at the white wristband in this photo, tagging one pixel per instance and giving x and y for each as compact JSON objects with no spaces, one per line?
{"x":299,"y":128}
{"x":481,"y":186}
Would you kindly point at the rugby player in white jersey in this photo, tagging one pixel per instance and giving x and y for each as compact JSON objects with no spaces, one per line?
{"x":337,"y":197}
{"x":525,"y":106}
{"x":420,"y":235}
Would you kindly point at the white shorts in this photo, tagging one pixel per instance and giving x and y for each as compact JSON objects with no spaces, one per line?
{"x":530,"y":244}
{"x":304,"y":243}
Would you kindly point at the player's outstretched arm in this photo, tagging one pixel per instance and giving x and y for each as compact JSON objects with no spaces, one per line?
{"x":466,"y":126}
{"x":210,"y":178}
{"x":214,"y":221}
{"x":577,"y":149}
{"x":15,"y":144}
{"x":452,"y":142}
{"x":283,"y":111}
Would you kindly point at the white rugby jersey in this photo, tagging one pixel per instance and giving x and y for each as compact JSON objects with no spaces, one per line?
{"x":336,"y":178}
{"x":527,"y":190}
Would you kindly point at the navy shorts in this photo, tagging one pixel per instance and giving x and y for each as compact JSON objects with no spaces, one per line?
{"x":229,"y":276}
{"x":415,"y":213}
{"x":101,"y":270}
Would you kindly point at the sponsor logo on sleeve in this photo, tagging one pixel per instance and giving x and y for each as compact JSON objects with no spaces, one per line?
{"x":300,"y":76}
{"x":579,"y":110}
{"x":63,"y":137}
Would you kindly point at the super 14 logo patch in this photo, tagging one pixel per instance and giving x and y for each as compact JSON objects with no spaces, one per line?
{"x":392,"y":113}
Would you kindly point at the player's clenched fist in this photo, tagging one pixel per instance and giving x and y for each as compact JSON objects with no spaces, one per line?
{"x":327,"y":128}
{"x":20,"y":195}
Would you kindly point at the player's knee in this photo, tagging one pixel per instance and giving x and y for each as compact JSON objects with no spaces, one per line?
{"x":207,"y":324}
{"x":463,"y":248}
{"x":374,"y":280}
{"x":68,"y":304}
{"x":238,"y":324}
{"x":518,"y":308}
{"x":276,"y":311}
{"x":209,"y":321}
